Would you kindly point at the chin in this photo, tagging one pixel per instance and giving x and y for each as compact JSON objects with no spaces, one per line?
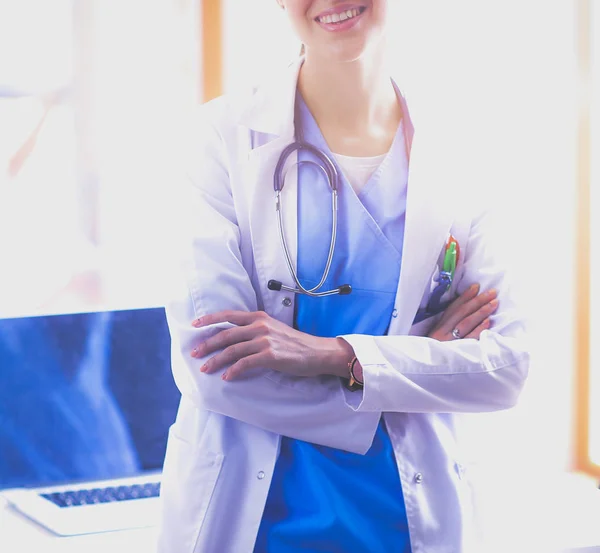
{"x":345,"y":53}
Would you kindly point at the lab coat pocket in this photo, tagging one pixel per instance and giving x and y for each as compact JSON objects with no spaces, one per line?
{"x":424,"y":320}
{"x":189,"y":479}
{"x":428,"y":308}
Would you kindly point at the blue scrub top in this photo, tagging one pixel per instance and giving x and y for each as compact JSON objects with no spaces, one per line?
{"x":325,"y":499}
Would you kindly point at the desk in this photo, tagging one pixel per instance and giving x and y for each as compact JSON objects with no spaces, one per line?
{"x":571,"y":524}
{"x":20,"y":535}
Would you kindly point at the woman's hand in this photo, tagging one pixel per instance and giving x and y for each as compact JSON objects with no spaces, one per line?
{"x":259,"y":340}
{"x":469,"y":314}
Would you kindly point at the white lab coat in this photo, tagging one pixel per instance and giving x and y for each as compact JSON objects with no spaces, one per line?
{"x":224,"y":444}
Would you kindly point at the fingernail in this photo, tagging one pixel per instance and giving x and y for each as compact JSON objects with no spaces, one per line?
{"x":224,"y":376}
{"x":491,"y":292}
{"x":196,"y":323}
{"x":494,"y":303}
{"x":203,"y":368}
{"x":194,"y":353}
{"x":473,"y":287}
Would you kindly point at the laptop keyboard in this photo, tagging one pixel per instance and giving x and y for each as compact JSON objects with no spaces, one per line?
{"x":93,"y":496}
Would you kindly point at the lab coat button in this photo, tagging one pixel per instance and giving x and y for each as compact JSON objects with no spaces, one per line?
{"x":395,"y":313}
{"x":260,"y":475}
{"x":418,"y":478}
{"x":286,"y":302}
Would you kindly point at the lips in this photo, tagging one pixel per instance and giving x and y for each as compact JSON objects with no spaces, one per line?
{"x":341,"y":19}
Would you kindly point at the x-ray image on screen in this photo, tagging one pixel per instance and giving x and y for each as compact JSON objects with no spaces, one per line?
{"x":84,"y":396}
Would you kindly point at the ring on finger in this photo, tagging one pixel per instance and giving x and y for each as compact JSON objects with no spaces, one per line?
{"x":456,"y":334}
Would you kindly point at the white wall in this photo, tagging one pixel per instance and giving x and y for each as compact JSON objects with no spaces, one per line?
{"x":257,"y":37}
{"x":510,"y":67}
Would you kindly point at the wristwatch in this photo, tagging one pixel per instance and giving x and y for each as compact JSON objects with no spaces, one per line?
{"x":353,"y":383}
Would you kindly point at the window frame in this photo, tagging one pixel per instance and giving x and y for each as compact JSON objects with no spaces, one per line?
{"x":211,"y":49}
{"x":581,"y":431}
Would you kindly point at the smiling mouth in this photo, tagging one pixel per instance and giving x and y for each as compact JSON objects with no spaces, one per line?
{"x":332,"y":19}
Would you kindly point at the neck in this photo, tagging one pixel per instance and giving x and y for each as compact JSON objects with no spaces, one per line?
{"x":351,"y":95}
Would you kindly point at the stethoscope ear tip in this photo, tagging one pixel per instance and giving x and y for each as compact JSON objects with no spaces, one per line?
{"x":274,"y":285}
{"x":345,"y":289}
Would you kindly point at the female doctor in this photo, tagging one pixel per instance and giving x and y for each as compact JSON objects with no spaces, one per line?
{"x":327,"y":422}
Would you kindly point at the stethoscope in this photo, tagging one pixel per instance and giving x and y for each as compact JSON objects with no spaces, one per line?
{"x":326,"y":166}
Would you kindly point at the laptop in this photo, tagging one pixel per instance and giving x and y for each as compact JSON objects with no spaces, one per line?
{"x":86,"y":402}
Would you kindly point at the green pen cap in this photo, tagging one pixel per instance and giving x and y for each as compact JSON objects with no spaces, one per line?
{"x":450,"y":259}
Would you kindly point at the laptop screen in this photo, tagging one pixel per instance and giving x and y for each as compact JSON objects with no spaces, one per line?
{"x":84,"y":396}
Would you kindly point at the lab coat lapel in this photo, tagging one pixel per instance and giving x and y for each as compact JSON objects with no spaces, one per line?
{"x":429,"y":215}
{"x":270,"y":117}
{"x":269,"y":258}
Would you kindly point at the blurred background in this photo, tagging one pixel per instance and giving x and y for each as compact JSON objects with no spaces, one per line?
{"x":91,"y":90}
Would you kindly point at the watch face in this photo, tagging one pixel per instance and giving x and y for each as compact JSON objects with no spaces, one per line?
{"x":354,"y":386}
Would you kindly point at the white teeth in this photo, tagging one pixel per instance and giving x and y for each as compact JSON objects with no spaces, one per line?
{"x":336,"y":18}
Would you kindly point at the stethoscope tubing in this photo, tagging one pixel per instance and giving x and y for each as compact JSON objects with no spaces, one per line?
{"x":327,"y":167}
{"x":301,"y":289}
